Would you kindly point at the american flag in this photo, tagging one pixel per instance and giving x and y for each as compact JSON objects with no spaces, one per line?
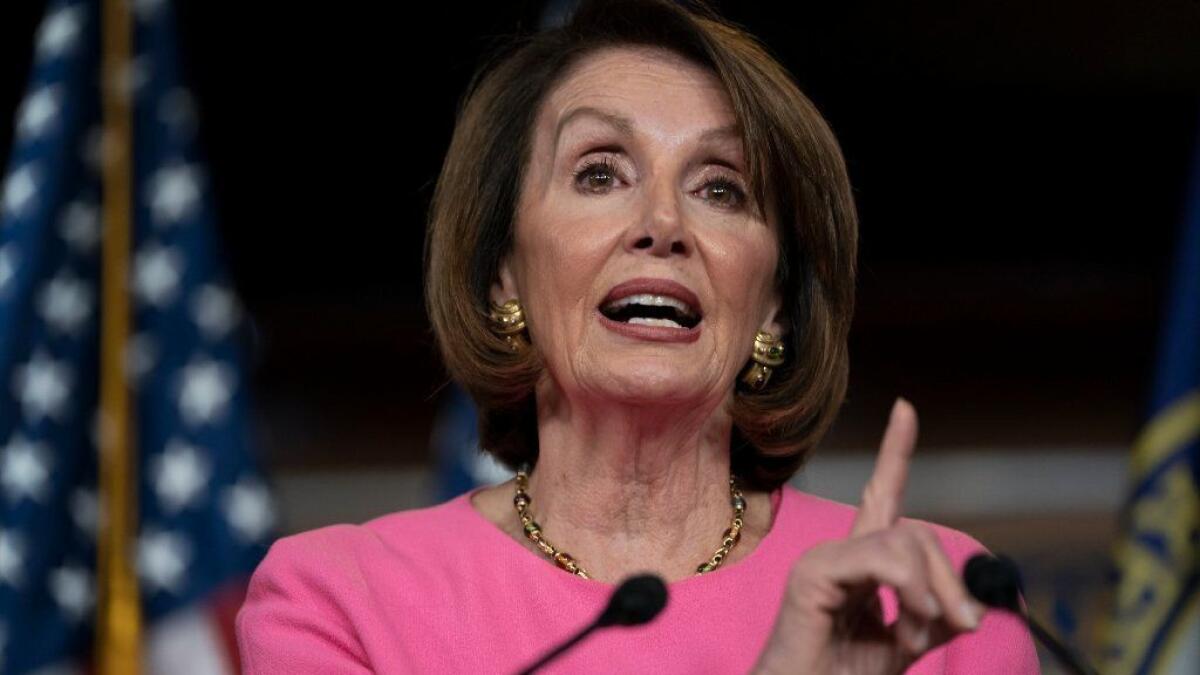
{"x":206,"y":513}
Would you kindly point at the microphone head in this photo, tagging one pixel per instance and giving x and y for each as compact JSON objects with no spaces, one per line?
{"x":636,"y":601}
{"x":994,"y":580}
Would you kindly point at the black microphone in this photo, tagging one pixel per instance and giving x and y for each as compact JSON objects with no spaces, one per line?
{"x":636,"y":601}
{"x":996,"y":582}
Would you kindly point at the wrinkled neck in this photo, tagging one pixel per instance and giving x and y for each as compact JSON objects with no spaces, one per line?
{"x":632,"y":486}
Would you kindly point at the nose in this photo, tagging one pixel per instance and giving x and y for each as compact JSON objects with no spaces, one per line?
{"x":660,"y":230}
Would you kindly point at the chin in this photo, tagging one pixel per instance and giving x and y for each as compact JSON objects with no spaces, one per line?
{"x":656,"y":381}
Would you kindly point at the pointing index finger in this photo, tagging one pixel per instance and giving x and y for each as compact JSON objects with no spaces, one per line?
{"x":884,"y":492}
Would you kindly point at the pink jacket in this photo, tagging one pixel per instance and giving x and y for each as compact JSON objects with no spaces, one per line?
{"x":443,"y":590}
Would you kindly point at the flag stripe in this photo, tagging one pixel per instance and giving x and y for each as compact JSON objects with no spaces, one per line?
{"x":225,"y":604}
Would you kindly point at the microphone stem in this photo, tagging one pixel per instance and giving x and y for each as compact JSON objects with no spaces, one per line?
{"x":561,"y":648}
{"x":1066,"y":657}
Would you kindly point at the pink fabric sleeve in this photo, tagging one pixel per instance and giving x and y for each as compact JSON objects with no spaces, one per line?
{"x":1002,"y":644}
{"x":291,"y":621}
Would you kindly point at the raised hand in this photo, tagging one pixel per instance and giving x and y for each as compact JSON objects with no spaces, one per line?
{"x":831,"y":620}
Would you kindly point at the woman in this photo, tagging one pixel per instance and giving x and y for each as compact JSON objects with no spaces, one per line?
{"x":641,"y":265}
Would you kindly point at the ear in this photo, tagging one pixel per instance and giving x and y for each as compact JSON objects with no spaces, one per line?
{"x":775,"y":320}
{"x":504,"y":288}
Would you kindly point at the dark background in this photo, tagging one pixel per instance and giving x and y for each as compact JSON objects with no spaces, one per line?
{"x":1020,"y":169}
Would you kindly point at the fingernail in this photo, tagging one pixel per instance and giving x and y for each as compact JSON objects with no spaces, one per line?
{"x":970,"y":612}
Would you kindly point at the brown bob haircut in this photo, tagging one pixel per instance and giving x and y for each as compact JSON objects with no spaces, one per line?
{"x":793,"y":160}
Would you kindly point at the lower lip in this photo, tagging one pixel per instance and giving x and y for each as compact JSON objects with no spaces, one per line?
{"x":650,"y":333}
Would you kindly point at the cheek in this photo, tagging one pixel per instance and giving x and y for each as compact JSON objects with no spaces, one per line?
{"x":562,"y":254}
{"x":743,"y":271}
{"x":572,"y":228}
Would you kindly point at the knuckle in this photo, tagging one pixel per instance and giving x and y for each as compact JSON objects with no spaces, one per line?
{"x":868,"y":492}
{"x":899,"y":541}
{"x":907,"y":564}
{"x":924,"y":533}
{"x":873,"y":496}
{"x":911,"y":538}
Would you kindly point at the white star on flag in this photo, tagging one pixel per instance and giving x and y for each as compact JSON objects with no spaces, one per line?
{"x":205,"y":389}
{"x":215,"y":310}
{"x":24,"y":469}
{"x":173,"y":193}
{"x":42,"y":385}
{"x":79,"y":226}
{"x":12,"y":558}
{"x":65,"y":303}
{"x":162,"y":560}
{"x":179,"y":475}
{"x":59,"y":32}
{"x":38,"y":111}
{"x":85,"y":511}
{"x":157,"y":271}
{"x":20,"y":188}
{"x":249,"y":509}
{"x":8,"y":265}
{"x":73,"y":590}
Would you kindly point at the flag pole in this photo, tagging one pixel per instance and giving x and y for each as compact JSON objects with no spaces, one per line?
{"x":118,"y":635}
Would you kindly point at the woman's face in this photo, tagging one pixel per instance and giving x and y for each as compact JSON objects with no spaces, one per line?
{"x":643,"y":270}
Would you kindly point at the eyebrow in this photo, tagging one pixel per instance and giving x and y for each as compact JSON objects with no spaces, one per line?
{"x":618,"y":122}
{"x":625,"y":125}
{"x":727,"y":131}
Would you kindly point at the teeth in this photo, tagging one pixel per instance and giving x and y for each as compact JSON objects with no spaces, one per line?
{"x":653,"y":301}
{"x":643,"y":321}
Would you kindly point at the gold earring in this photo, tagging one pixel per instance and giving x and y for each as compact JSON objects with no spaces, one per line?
{"x":508,"y":320}
{"x":767,"y":355}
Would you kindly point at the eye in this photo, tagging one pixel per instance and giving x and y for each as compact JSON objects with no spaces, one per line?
{"x":724,"y":193}
{"x":597,"y":177}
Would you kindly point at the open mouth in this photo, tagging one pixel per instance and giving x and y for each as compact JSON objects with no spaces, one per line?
{"x":657,"y":303}
{"x":646,"y":309}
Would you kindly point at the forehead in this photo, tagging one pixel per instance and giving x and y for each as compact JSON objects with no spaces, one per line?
{"x":658,"y":90}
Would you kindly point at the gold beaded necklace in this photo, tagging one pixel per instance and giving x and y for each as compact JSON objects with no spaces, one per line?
{"x":533,"y":531}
